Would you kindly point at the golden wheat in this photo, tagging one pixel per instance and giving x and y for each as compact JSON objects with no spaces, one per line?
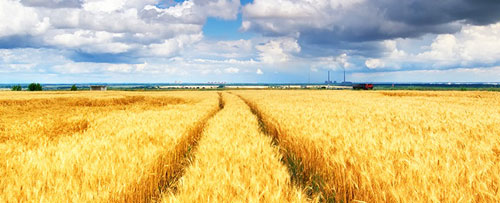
{"x":390,"y":146}
{"x":235,"y":162}
{"x":102,"y":147}
{"x":397,"y":146}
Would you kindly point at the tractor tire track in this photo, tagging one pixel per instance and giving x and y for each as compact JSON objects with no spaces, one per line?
{"x":234,"y":161}
{"x":186,"y":149}
{"x":307,"y":178}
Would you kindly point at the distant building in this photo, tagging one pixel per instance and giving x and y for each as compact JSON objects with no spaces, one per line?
{"x":98,"y":88}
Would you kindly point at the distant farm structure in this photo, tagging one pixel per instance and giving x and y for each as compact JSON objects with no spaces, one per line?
{"x":98,"y":88}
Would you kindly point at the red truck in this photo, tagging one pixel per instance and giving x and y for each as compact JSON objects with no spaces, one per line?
{"x":364,"y":86}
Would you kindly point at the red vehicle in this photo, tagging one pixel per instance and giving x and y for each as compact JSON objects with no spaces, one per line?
{"x":365,"y":86}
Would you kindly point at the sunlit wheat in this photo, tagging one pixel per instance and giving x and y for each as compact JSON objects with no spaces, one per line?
{"x":390,"y":146}
{"x":95,"y":146}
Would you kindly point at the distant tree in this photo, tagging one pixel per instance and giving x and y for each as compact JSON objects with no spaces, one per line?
{"x":17,"y":88}
{"x":73,"y":88}
{"x":35,"y":87}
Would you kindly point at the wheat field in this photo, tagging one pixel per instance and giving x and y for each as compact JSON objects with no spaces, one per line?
{"x":235,"y":161}
{"x":99,"y":147}
{"x":389,"y":146}
{"x":250,"y":146}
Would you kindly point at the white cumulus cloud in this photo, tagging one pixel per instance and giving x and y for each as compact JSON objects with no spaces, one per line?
{"x":112,"y":26}
{"x":259,"y":71}
{"x":170,"y":46}
{"x":231,"y":70}
{"x":374,"y":63}
{"x":278,"y":50}
{"x":472,"y":46}
{"x":16,"y":19}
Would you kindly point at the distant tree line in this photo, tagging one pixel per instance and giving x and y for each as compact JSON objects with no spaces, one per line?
{"x":31,"y":87}
{"x":17,"y":88}
{"x":35,"y":87}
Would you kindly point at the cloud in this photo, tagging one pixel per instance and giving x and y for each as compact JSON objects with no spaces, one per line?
{"x":259,"y":71}
{"x":320,"y":21}
{"x":474,"y":44}
{"x":103,"y":5}
{"x":93,"y":69}
{"x":76,"y":68}
{"x":339,"y":62}
{"x":224,"y":9}
{"x":472,"y":47}
{"x":90,"y":41}
{"x":175,"y":68}
{"x":374,"y":63}
{"x":32,"y":56}
{"x":53,"y":3}
{"x":278,"y":50}
{"x":15,"y":19}
{"x":165,"y":39}
{"x":171,"y":46}
{"x":231,"y":70}
{"x":224,"y":48}
{"x":12,"y":68}
{"x":250,"y":62}
{"x":96,"y":27}
{"x":120,"y":68}
{"x":361,"y":28}
{"x":79,"y":56}
{"x":485,"y":74}
{"x":141,"y":67}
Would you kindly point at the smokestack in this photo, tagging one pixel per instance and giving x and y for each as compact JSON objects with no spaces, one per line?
{"x":344,"y":75}
{"x":328,"y":77}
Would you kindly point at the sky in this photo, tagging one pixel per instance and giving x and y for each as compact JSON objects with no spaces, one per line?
{"x":249,"y":41}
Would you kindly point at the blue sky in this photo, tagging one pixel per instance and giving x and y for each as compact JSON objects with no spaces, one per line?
{"x":76,"y":41}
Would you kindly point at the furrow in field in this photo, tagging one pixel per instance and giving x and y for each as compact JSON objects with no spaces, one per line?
{"x":185,"y":151}
{"x":170,"y":185}
{"x":235,"y":162}
{"x":304,"y":176}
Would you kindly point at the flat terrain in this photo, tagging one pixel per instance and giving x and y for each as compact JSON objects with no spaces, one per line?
{"x":250,"y":146}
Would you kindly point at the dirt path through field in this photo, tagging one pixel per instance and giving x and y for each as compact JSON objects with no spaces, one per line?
{"x":236,"y":162}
